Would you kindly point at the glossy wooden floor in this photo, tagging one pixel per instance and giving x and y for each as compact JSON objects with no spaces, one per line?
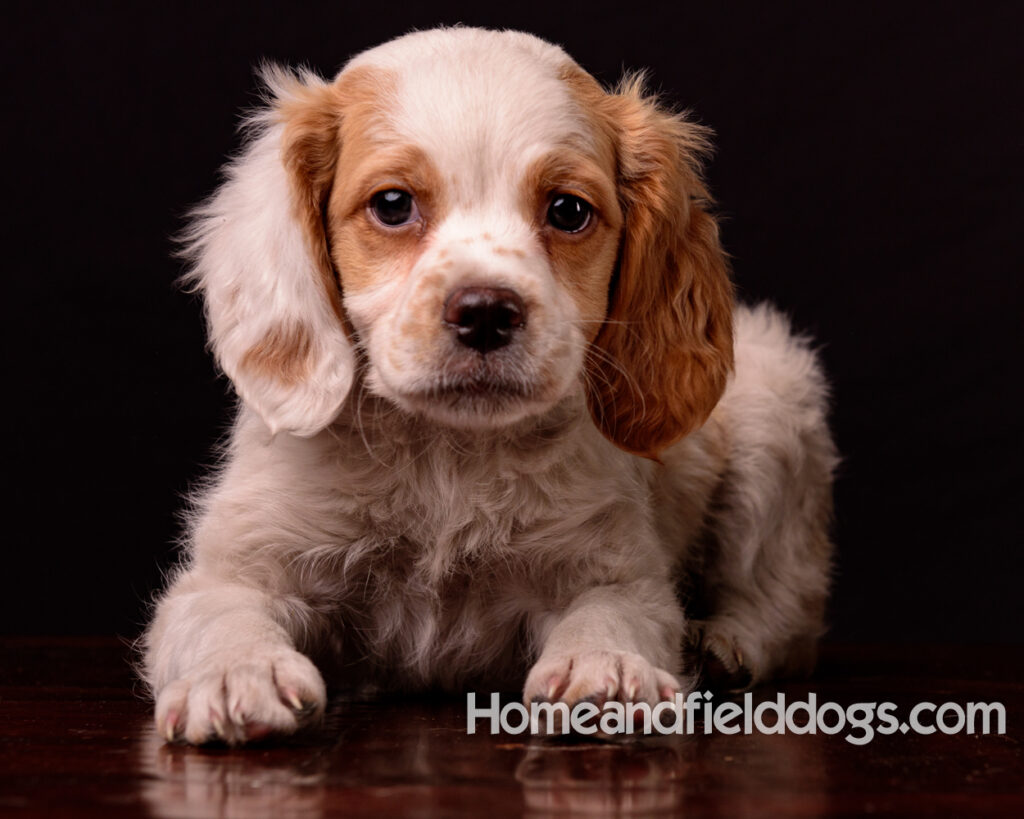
{"x":76,"y":741}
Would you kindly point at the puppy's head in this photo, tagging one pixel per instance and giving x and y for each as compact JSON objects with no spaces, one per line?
{"x":488,"y":225}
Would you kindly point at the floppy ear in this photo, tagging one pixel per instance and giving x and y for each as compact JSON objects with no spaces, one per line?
{"x":665,"y":350}
{"x":259,"y":256}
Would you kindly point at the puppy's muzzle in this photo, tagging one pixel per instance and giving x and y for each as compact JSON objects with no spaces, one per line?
{"x":484,"y":318}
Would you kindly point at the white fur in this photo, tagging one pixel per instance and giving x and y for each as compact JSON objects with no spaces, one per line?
{"x":256,"y":267}
{"x":414,"y":546}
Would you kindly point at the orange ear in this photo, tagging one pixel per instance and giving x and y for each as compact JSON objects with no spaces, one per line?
{"x":663,"y":354}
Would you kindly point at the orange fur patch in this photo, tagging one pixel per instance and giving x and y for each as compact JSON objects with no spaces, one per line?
{"x":582,"y":262}
{"x":340,"y":150}
{"x":283,"y":355}
{"x":509,"y":251}
{"x":660,"y":362}
{"x":358,"y":243}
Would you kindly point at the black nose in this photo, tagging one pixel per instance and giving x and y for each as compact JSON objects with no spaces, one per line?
{"x":484,"y":318}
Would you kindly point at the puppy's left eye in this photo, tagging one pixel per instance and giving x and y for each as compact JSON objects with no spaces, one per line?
{"x":569,"y":213}
{"x":393,"y":207}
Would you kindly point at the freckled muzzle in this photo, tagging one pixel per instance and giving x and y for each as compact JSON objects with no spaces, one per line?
{"x":484,"y":318}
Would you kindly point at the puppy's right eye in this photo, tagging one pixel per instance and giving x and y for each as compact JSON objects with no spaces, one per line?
{"x":393,"y":207}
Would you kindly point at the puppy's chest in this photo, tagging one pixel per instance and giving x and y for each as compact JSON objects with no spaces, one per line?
{"x":445,"y":514}
{"x":439,"y":613}
{"x":439,"y":540}
{"x":449,"y":558}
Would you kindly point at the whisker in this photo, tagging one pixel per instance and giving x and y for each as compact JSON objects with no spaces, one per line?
{"x":638,"y":406}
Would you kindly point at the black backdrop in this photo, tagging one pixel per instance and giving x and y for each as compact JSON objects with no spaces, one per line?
{"x":869,"y":171}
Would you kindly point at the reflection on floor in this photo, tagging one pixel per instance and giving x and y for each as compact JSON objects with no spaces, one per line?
{"x":77,"y":742}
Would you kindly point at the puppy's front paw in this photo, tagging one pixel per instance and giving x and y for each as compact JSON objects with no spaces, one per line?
{"x":241,"y":695}
{"x":598,"y":677}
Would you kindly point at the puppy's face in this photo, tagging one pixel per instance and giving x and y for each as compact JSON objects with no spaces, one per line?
{"x":488,"y":225}
{"x":473,"y":221}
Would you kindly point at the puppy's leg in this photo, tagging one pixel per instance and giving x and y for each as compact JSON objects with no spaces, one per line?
{"x":769,"y":585}
{"x":614,"y":642}
{"x":220,"y":659}
{"x":766,"y":574}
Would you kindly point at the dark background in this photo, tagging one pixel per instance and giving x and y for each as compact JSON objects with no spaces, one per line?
{"x":869,"y":170}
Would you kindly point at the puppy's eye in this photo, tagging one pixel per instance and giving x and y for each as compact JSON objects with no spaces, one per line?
{"x":569,"y":213}
{"x":393,"y":207}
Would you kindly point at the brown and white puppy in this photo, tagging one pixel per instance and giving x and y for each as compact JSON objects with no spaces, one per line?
{"x":500,"y":418}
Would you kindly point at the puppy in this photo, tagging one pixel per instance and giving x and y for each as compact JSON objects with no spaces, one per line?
{"x":500,"y":417}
